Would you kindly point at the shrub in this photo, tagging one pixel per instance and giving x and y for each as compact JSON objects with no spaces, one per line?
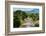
{"x":16,"y":23}
{"x":36,"y":25}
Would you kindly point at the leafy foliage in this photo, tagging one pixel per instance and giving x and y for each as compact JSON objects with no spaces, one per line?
{"x":34,"y":16}
{"x":21,"y":15}
{"x":36,"y":25}
{"x":16,"y":22}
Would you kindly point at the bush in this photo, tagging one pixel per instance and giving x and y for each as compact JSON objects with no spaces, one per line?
{"x":36,"y":25}
{"x":16,"y":23}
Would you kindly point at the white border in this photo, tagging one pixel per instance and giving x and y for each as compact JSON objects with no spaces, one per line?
{"x":25,"y":29}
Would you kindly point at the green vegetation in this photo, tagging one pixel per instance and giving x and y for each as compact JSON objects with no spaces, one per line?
{"x":34,"y":16}
{"x":36,"y":25}
{"x":19,"y":17}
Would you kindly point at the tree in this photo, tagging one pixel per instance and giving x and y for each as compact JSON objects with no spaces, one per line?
{"x":16,"y":22}
{"x":24,"y":15}
{"x":16,"y":19}
{"x":34,"y":16}
{"x":18,"y":16}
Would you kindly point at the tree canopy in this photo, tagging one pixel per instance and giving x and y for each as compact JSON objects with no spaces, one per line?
{"x":17,"y":16}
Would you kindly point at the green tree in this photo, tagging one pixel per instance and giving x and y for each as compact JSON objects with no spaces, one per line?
{"x":18,"y":16}
{"x":16,"y":22}
{"x":24,"y":15}
{"x":34,"y":16}
{"x":16,"y":19}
